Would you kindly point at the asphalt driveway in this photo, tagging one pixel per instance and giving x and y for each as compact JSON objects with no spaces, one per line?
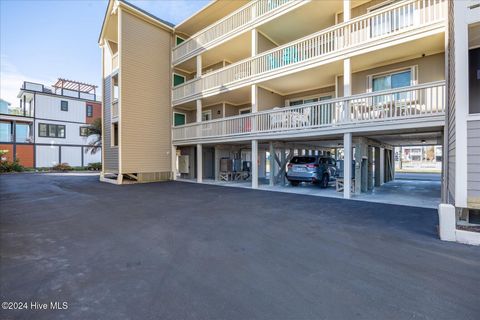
{"x":186,"y":251}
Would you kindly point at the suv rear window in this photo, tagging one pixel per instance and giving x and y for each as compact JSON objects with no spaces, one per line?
{"x":303,"y":160}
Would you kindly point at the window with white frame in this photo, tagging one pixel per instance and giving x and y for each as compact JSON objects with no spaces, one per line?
{"x":309,"y":99}
{"x":392,"y":80}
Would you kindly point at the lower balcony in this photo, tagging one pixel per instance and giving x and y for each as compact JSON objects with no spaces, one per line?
{"x":408,"y":107}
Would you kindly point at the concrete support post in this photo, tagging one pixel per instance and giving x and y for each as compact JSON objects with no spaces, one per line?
{"x":400,"y":158}
{"x":254,"y":164}
{"x":272,"y":163}
{"x":392,"y":167}
{"x":370,"y":168}
{"x":446,"y":222}
{"x":382,"y":166}
{"x":347,"y":165}
{"x":199,"y":163}
{"x":283,"y":160}
{"x":216,"y":166}
{"x":377,"y":167}
{"x":174,"y":163}
{"x":358,"y":167}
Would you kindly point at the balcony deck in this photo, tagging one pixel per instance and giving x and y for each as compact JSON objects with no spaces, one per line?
{"x":248,"y":16}
{"x":398,"y":22}
{"x":408,"y":107}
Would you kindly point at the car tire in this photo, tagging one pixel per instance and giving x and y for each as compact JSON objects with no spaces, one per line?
{"x":294,"y":183}
{"x":324,"y":182}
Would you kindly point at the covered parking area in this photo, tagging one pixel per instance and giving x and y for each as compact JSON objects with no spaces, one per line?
{"x":375,"y":177}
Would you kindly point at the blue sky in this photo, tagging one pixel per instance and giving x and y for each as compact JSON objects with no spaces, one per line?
{"x":41,"y":41}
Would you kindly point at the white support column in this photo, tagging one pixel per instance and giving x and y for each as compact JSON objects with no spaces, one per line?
{"x":382,"y":165}
{"x":199,"y":110}
{"x":254,"y":96}
{"x":347,"y":78}
{"x":254,"y":42}
{"x":283,"y":160}
{"x":346,"y":10}
{"x":272,"y":163}
{"x":462,"y":15}
{"x":199,"y":163}
{"x":254,"y":164}
{"x":347,"y":88}
{"x":347,"y":165}
{"x":199,"y":66}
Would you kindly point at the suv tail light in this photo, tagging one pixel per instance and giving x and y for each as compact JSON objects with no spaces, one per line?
{"x":290,"y":165}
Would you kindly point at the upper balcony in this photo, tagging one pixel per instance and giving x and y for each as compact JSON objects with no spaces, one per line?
{"x":408,"y":107}
{"x":386,"y":27}
{"x":248,"y":16}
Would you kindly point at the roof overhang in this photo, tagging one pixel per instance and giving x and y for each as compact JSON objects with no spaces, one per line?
{"x":114,"y":5}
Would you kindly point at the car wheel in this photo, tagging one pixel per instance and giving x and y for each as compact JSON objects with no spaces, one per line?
{"x":294,"y":183}
{"x":324,"y":182}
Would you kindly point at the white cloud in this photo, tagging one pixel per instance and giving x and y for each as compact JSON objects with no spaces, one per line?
{"x":11,"y":79}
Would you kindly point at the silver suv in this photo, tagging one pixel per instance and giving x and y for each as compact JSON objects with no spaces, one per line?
{"x":314,"y":169}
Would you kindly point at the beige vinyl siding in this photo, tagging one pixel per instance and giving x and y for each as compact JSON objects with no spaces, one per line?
{"x":268,"y":100}
{"x":312,"y":93}
{"x":217,"y":110}
{"x":429,"y":69}
{"x":264,"y":44}
{"x":110,"y":154}
{"x":473,"y":163}
{"x":232,"y":110}
{"x":145,"y":79}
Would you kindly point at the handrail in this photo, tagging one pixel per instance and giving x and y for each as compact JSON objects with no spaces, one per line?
{"x":394,"y":18}
{"x":408,"y":103}
{"x":239,"y":18}
{"x":316,"y":34}
{"x":324,"y":102}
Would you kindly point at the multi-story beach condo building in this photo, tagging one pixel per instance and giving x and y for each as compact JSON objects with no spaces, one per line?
{"x":49,"y":125}
{"x":260,"y":81}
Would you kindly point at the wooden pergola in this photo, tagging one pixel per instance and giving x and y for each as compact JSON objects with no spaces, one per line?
{"x":80,"y":87}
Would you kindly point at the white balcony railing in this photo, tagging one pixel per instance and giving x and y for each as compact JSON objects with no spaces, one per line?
{"x":419,"y":101}
{"x":384,"y":23}
{"x":227,"y":26}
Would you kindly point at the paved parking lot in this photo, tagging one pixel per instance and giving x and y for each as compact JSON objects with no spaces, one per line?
{"x":187,"y":251}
